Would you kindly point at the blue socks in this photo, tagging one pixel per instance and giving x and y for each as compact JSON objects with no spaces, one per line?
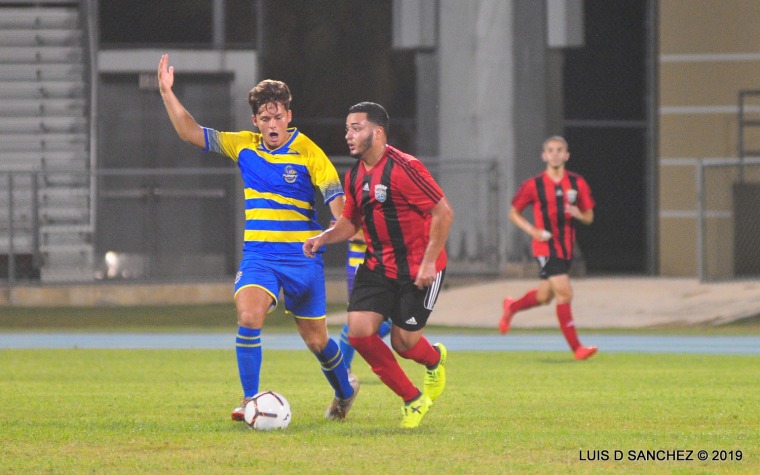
{"x":249,"y":356}
{"x":248,"y":349}
{"x":348,"y":350}
{"x":331,"y":360}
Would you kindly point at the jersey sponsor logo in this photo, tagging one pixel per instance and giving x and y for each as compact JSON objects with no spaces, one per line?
{"x":411,"y":321}
{"x":366,"y":187}
{"x":381,"y":193}
{"x":290,"y":174}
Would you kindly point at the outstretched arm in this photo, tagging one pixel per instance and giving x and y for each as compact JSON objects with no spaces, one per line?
{"x":341,"y":231}
{"x":187,"y":128}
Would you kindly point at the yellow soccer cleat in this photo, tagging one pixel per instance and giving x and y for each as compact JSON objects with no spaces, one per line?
{"x":414,"y":411}
{"x":435,"y":379}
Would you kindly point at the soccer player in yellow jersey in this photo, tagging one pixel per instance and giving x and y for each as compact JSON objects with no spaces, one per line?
{"x":280,"y":168}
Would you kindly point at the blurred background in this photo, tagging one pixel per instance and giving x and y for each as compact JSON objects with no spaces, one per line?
{"x":659,"y":101}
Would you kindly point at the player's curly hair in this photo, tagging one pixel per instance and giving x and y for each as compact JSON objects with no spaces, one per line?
{"x":375,"y":113}
{"x":269,"y":91}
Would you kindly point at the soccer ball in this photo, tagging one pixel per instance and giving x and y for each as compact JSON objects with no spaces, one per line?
{"x":268,"y":410}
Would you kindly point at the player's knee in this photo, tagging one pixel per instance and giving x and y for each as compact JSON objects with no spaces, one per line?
{"x":402,"y":345}
{"x":315,"y":343}
{"x":564,"y":297}
{"x":249,"y":319}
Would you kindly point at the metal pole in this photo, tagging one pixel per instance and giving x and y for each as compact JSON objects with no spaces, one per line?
{"x":494,"y":235}
{"x":701,"y":254}
{"x":11,"y":251}
{"x":740,"y":123}
{"x":36,"y":264}
{"x":262,"y":51}
{"x":651,"y":182}
{"x":218,"y":19}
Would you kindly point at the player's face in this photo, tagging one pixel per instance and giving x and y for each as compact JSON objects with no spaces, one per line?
{"x":272,"y":120}
{"x":555,"y":154}
{"x":359,"y":134}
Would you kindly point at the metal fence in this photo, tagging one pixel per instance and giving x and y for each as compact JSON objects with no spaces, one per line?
{"x":177,"y":225}
{"x":728,"y":220}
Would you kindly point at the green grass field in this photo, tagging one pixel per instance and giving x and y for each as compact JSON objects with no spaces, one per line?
{"x":167,"y":411}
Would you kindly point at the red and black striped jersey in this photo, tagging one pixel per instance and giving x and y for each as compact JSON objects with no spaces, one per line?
{"x":549,"y":200}
{"x":392,"y":201}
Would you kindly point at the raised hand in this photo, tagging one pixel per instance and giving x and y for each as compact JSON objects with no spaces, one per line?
{"x":165,"y":74}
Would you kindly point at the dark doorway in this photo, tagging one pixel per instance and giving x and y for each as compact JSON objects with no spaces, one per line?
{"x":333,"y":55}
{"x":605,"y":125}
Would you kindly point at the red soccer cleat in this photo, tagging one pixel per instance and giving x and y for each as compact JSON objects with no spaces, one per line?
{"x":585,"y":352}
{"x":506,"y":316}
{"x":238,"y":414}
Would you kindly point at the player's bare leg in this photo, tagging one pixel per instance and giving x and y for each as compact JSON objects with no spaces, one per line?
{"x":252,"y":304}
{"x":546,"y":291}
{"x":313,"y":332}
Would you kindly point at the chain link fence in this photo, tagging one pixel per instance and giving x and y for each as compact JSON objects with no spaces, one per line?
{"x":728,"y":226}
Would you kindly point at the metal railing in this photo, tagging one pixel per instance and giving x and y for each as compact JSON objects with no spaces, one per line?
{"x":187,"y":224}
{"x":728,"y":229}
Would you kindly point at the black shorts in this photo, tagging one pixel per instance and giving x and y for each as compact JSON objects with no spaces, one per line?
{"x":400,"y":300}
{"x":551,"y":266}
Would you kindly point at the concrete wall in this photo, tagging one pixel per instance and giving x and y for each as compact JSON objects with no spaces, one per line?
{"x":106,"y":295}
{"x":708,"y":51}
{"x":499,"y":99}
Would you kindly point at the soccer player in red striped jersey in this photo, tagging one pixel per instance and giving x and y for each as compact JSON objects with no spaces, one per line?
{"x":559,"y":199}
{"x":406,"y":219}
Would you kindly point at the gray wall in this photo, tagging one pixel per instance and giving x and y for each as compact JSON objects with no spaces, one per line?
{"x":500,"y":98}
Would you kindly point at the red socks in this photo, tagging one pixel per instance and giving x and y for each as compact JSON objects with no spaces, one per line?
{"x":526,"y":301}
{"x":566,"y":324}
{"x":422,"y":353}
{"x":380,"y":358}
{"x":564,"y":315}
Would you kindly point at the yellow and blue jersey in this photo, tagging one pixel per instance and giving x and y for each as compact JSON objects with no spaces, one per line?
{"x":279,"y":187}
{"x":356,"y":250}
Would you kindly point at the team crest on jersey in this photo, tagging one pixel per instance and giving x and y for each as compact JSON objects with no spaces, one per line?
{"x":290,"y":174}
{"x":381,"y":193}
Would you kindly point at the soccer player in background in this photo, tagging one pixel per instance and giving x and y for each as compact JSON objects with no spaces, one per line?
{"x":356,"y":249}
{"x":559,"y":198}
{"x":405,"y":218}
{"x":280,"y":168}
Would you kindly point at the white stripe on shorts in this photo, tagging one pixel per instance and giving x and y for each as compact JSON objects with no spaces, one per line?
{"x":432,"y":292}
